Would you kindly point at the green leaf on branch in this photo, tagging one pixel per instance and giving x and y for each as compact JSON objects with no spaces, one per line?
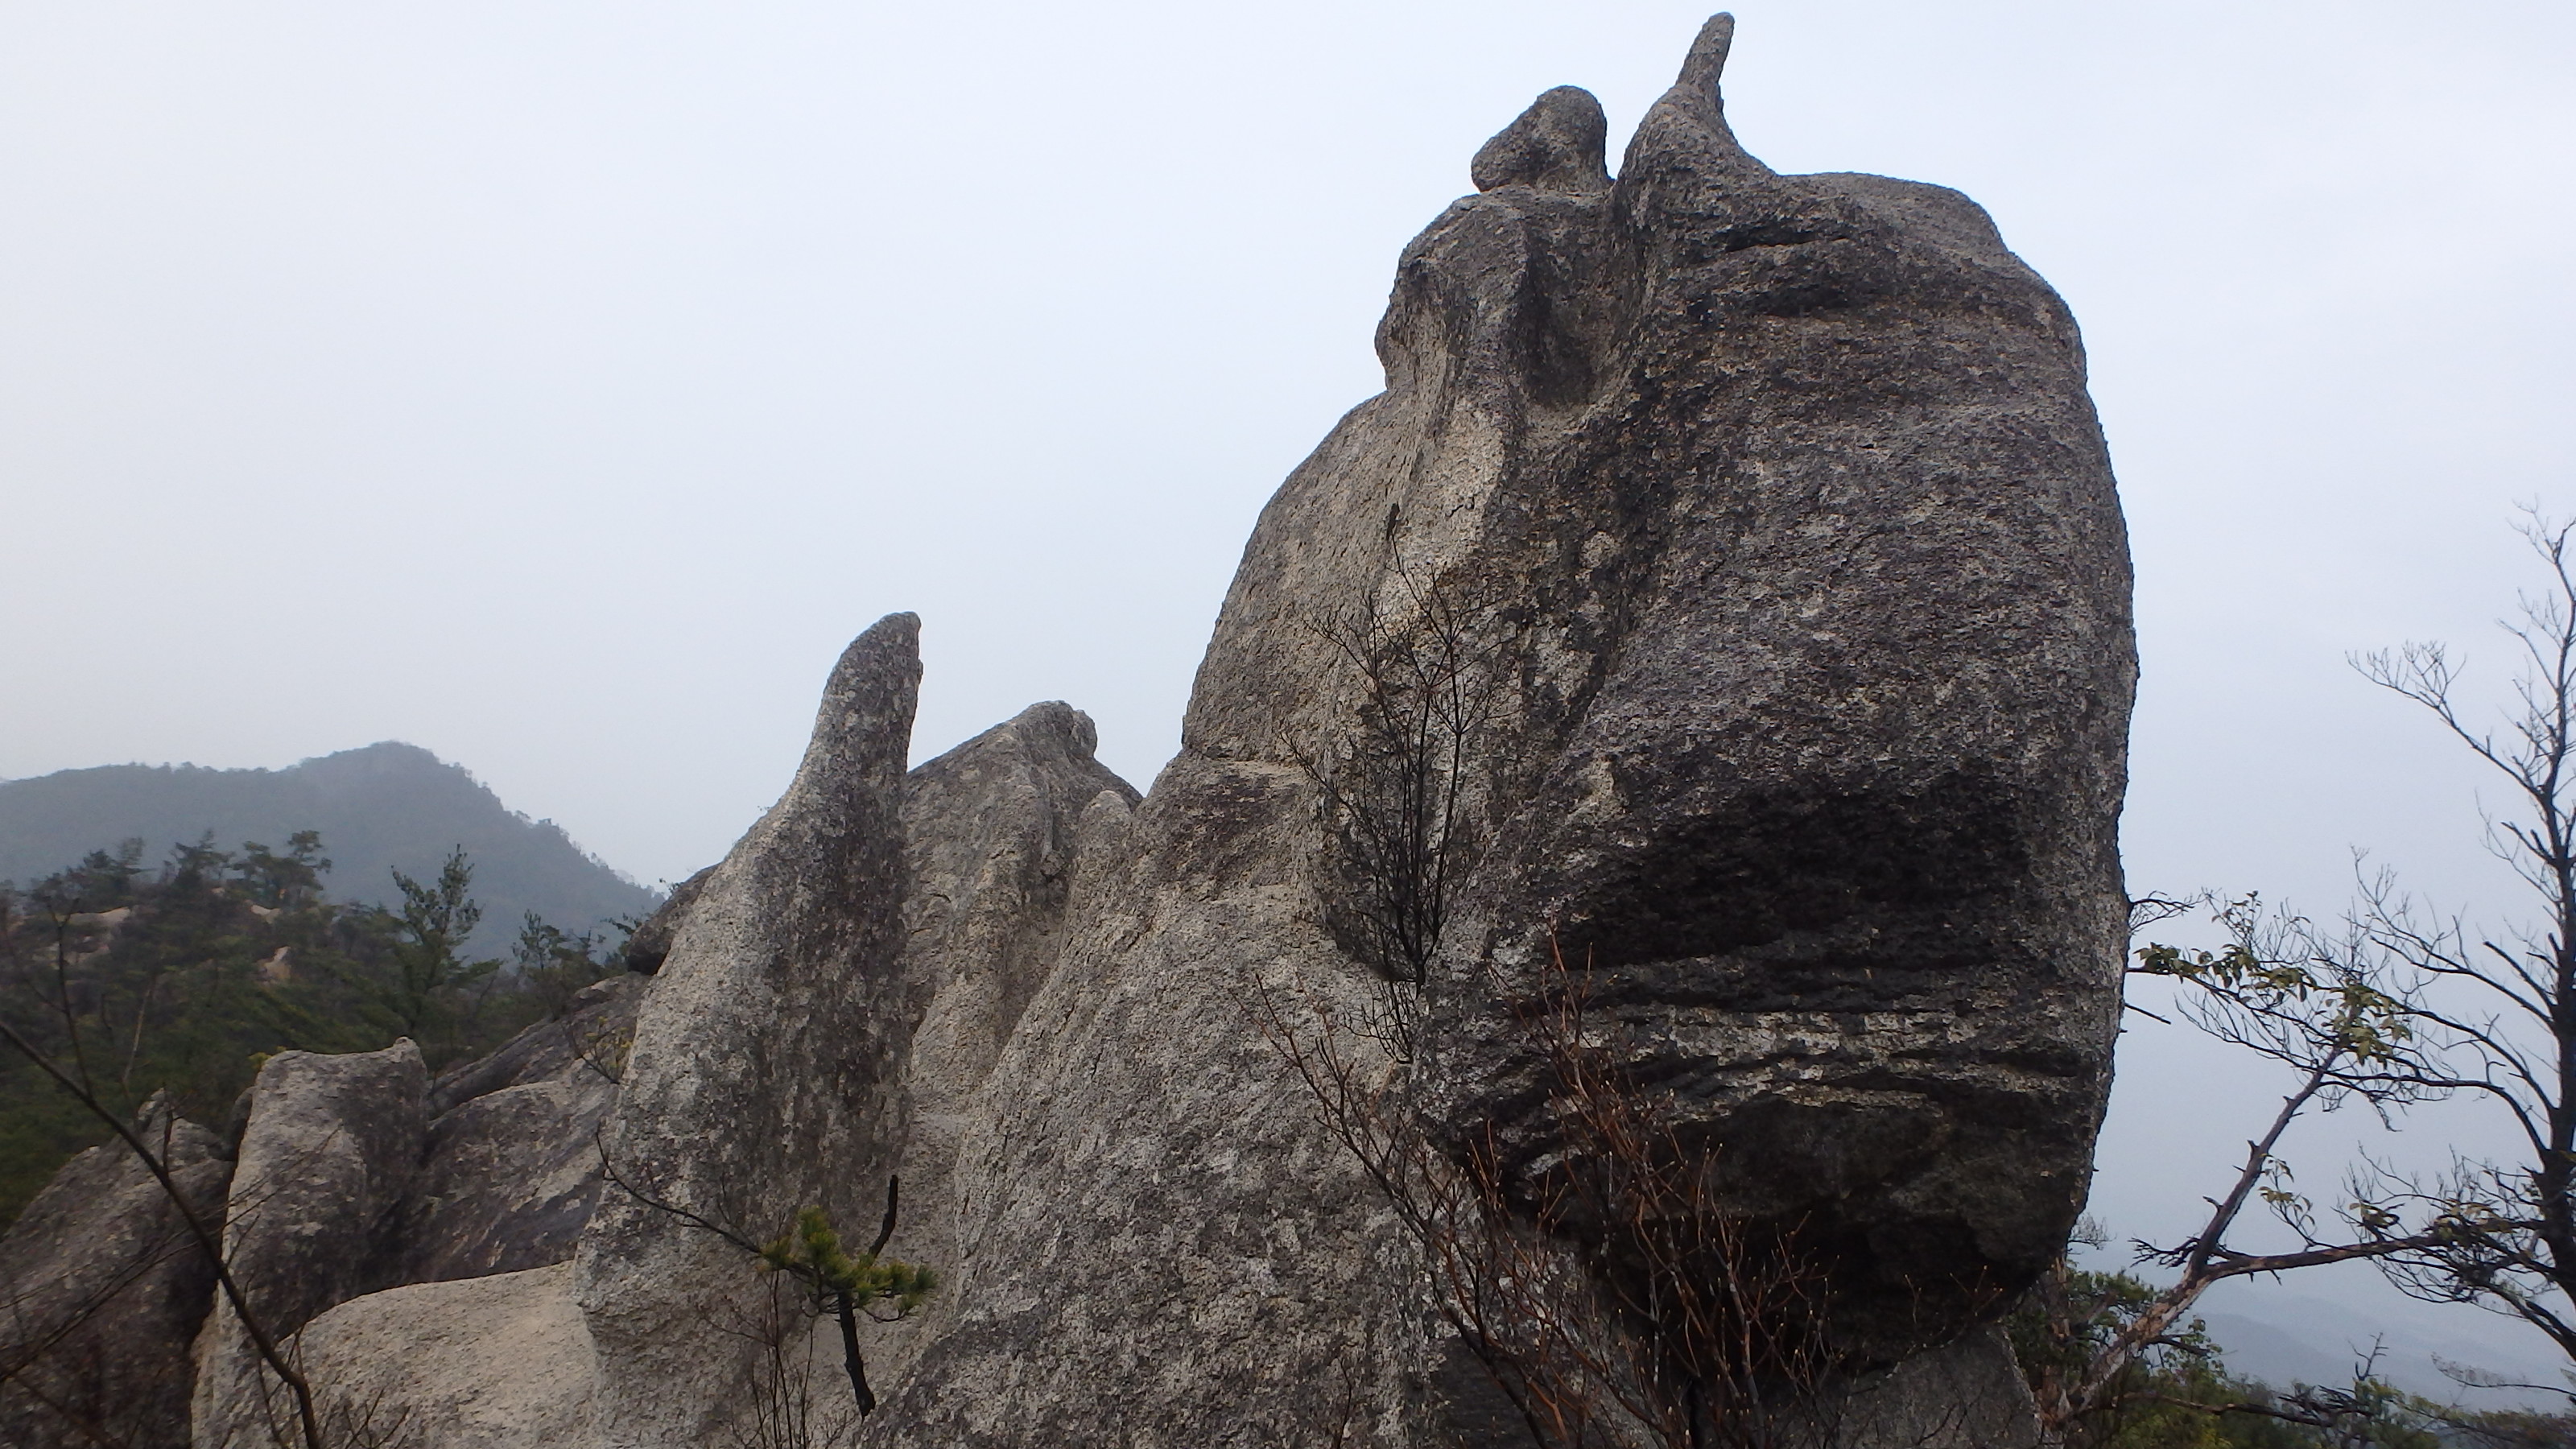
{"x":811,"y":1252}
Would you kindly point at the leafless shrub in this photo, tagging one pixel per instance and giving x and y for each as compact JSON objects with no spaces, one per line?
{"x":1398,"y":793}
{"x":784,"y":1409}
{"x":1608,"y":1292}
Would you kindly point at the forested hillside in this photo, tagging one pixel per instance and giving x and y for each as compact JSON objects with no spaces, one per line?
{"x":183,"y":975}
{"x":386,"y":807}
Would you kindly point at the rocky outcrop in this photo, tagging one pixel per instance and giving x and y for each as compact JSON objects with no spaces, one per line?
{"x":952,"y":884}
{"x":972,"y":858}
{"x":1721,"y":617}
{"x":104,"y":1286}
{"x":1761,"y":530}
{"x":764,"y":1076}
{"x":330,"y":1151}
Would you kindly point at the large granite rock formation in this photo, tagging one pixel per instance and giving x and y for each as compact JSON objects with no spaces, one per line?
{"x":1818,"y":594}
{"x":1764,"y":529}
{"x":1722,"y":614}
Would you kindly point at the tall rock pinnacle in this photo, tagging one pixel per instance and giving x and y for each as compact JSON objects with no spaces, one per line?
{"x":764,"y":1075}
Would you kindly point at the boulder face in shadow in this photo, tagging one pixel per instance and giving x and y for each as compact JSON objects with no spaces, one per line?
{"x":510,"y":1167}
{"x":103,"y":1287}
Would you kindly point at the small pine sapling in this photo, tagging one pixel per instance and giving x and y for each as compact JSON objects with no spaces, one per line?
{"x":847,"y":1286}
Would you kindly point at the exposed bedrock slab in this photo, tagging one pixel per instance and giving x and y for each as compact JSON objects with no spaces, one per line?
{"x":331,"y":1148}
{"x":497,"y":1362}
{"x":764,"y":1075}
{"x":102,"y":1289}
{"x":1773,"y":533}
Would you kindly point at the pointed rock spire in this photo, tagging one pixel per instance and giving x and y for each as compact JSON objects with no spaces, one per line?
{"x":865,"y":722}
{"x":1707,"y":61}
{"x":764,"y":1071}
{"x":1688,"y":125}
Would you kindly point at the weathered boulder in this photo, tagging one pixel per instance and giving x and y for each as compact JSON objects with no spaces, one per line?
{"x":104,"y":1286}
{"x":497,"y":1362}
{"x":1754,"y":544}
{"x":330,"y":1151}
{"x":510,"y":1168}
{"x":764,"y":1075}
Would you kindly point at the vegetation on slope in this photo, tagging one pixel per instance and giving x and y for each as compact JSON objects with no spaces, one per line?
{"x":184,"y":977}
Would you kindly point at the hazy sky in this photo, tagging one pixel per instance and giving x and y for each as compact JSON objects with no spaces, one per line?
{"x":559,"y":386}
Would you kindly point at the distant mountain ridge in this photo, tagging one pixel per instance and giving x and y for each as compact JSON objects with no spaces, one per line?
{"x":380,"y":808}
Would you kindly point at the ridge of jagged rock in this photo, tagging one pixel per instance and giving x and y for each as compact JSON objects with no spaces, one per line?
{"x":1767,"y":523}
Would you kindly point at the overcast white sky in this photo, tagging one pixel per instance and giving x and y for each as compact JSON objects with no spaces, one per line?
{"x":559,"y":386}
